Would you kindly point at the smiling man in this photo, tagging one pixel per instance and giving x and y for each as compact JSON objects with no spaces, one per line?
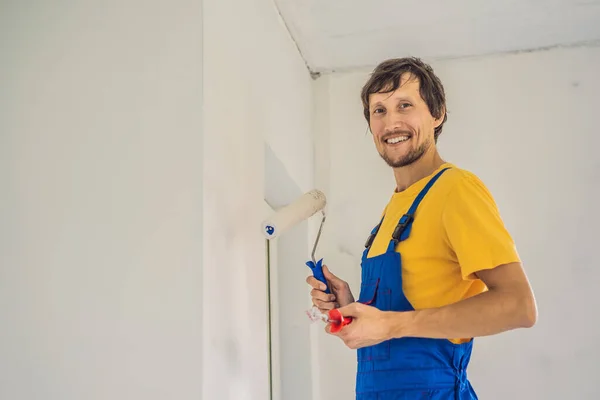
{"x":439,"y":269}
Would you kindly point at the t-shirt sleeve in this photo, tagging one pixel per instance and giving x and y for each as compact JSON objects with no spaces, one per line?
{"x":475,"y":230}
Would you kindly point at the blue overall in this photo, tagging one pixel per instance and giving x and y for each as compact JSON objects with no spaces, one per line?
{"x":406,"y":368}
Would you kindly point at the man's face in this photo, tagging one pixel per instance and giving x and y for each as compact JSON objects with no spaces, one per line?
{"x":401,"y":123}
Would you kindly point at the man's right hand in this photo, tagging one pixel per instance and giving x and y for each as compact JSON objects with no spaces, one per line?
{"x":340,"y":295}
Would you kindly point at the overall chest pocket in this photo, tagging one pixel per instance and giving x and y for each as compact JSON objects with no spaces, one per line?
{"x":371,"y":294}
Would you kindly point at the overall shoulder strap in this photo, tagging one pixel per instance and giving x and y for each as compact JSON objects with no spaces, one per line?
{"x":404,"y":226}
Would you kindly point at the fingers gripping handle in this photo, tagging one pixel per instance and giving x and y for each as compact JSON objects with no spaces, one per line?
{"x":337,"y":320}
{"x":317,"y":270}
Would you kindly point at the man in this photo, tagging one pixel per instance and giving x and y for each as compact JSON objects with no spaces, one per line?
{"x":439,"y":269}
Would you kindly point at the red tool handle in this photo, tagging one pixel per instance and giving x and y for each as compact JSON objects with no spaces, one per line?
{"x":337,"y":320}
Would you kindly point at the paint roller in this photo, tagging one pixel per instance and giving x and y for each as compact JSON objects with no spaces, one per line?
{"x":294,"y":213}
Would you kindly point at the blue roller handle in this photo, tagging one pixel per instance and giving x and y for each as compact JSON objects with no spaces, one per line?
{"x":317,"y":271}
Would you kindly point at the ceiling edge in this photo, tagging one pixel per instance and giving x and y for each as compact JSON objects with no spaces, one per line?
{"x":313,"y":74}
{"x":369,"y":68}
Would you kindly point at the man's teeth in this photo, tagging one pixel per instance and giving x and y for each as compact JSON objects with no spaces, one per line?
{"x":397,"y":139}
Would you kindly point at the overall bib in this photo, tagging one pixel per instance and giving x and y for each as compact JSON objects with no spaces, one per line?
{"x":406,"y":368}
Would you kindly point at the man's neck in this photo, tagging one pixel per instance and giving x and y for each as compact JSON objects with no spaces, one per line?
{"x":425,"y":166}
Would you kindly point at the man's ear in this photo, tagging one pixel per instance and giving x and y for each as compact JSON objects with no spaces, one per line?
{"x":438,"y":121}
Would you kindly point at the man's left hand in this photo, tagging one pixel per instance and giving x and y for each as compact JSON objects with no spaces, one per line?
{"x":369,"y":326}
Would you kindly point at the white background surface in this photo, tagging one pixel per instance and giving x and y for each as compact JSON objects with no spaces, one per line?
{"x":100,"y":200}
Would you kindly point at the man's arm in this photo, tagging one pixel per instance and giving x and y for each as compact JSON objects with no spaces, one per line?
{"x":508,"y":304}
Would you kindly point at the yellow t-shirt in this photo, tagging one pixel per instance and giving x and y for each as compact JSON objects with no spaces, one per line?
{"x":457,"y":231}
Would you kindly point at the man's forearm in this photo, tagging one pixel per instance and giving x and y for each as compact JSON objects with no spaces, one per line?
{"x":486,"y":314}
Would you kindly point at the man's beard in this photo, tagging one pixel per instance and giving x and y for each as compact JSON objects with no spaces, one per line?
{"x":412,"y":156}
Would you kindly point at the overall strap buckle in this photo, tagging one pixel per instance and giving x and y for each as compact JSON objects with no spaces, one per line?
{"x":369,"y":241}
{"x":373,"y":234}
{"x":405,"y":220}
{"x":403,"y":228}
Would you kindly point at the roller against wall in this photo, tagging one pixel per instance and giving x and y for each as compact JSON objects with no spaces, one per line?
{"x":294,"y":213}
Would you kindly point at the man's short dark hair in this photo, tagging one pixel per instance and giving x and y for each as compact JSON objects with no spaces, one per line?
{"x":386,"y":79}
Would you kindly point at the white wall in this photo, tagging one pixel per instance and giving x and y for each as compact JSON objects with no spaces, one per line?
{"x":101,"y":200}
{"x":257,"y":113}
{"x":110,"y":195}
{"x":527,"y":125}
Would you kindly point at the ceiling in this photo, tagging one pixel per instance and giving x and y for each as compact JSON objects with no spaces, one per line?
{"x":334,"y":35}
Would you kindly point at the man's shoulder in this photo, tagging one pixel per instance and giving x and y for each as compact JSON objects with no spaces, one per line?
{"x":457,"y":176}
{"x":463,"y":183}
{"x":458,"y":173}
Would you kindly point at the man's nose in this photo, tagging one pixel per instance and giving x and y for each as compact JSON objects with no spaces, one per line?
{"x":393,"y":126}
{"x":393,"y":122}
